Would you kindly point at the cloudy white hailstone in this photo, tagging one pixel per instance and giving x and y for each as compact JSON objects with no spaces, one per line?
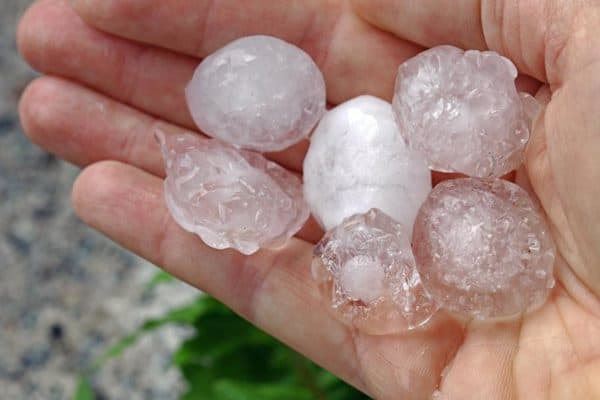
{"x":257,"y":93}
{"x":366,"y":270}
{"x":230,"y":198}
{"x":363,"y":278}
{"x":483,"y":249}
{"x":462,"y":111}
{"x":358,"y":160}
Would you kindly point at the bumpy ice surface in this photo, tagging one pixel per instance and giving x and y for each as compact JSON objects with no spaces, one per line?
{"x":462,"y":111}
{"x":482,"y":249}
{"x":357,"y":160}
{"x":230,"y":198}
{"x":258,"y":93}
{"x":366,"y":270}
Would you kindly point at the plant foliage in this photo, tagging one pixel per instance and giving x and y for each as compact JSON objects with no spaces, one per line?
{"x":227,"y":358}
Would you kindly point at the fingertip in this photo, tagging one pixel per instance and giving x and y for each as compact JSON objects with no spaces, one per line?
{"x":78,"y":191}
{"x":27,"y":109}
{"x":35,"y":29}
{"x":26,"y":29}
{"x":106,"y":189}
{"x":36,"y":109}
{"x":94,"y":186}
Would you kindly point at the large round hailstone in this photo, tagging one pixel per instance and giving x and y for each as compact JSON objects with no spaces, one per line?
{"x":358,"y":160}
{"x":483,"y":249}
{"x":258,"y":93}
{"x":462,"y":111}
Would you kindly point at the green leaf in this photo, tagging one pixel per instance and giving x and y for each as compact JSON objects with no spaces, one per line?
{"x":230,"y":359}
{"x":84,"y":390}
{"x":218,"y":336}
{"x":231,"y":390}
{"x":158,"y":279}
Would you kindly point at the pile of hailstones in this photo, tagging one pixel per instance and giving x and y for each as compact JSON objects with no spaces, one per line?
{"x":395,"y":251}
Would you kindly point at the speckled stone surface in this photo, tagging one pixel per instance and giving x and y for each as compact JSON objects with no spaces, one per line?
{"x":65,"y":291}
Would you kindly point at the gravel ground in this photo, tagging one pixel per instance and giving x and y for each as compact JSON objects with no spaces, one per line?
{"x":65,"y":291}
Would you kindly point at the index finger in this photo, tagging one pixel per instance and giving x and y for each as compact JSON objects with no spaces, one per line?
{"x":355,"y":57}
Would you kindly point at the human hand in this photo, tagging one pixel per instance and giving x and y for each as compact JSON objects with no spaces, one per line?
{"x":103,"y":95}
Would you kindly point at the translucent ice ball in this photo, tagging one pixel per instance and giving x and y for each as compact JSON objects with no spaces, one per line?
{"x":231,"y":198}
{"x":258,"y":93}
{"x":483,"y":249}
{"x":461,"y":110}
{"x":366,"y":272}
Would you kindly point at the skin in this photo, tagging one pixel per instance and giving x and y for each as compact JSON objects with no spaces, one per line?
{"x":113,"y":70}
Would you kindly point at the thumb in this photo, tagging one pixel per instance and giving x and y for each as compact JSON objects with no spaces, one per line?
{"x":563,"y":157}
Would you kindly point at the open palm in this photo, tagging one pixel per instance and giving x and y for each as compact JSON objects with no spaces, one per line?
{"x":114,"y":78}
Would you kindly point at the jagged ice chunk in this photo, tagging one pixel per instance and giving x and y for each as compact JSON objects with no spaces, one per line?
{"x":462,"y":111}
{"x":483,"y":249}
{"x":365,"y":269}
{"x":257,"y":93}
{"x":230,"y":198}
{"x":357,"y":160}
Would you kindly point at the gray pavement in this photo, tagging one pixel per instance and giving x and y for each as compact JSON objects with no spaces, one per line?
{"x":65,"y":291}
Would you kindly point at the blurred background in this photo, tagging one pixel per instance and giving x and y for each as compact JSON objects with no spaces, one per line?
{"x":66,"y":293}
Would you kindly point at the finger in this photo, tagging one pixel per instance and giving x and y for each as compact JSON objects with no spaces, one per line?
{"x":564,"y":157}
{"x":83,"y":126}
{"x":561,"y":158}
{"x":355,"y":57}
{"x":534,"y":34}
{"x":428,"y":22}
{"x":55,"y":41}
{"x":469,"y":24}
{"x":213,"y":23}
{"x":272,"y":289}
